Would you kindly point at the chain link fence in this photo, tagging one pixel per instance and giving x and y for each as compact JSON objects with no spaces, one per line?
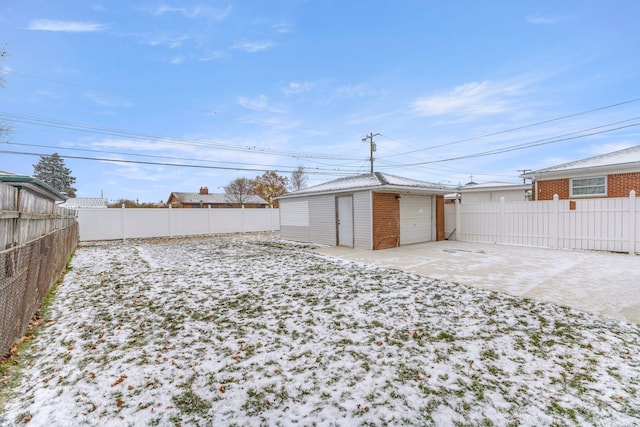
{"x":38,"y":242}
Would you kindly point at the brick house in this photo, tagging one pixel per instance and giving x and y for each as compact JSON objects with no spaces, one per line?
{"x":204,"y":199}
{"x":608,"y":175}
{"x":370,"y":211}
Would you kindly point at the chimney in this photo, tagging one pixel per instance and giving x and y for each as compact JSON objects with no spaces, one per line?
{"x":204,"y":190}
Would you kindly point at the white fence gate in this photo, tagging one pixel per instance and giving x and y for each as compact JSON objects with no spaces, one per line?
{"x":609,"y":224}
{"x":121,"y":223}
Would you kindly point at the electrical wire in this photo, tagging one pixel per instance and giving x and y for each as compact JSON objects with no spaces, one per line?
{"x":555,"y":119}
{"x":140,"y":162}
{"x":39,"y":121}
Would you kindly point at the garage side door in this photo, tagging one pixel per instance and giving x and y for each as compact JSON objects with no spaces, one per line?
{"x":415,"y":219}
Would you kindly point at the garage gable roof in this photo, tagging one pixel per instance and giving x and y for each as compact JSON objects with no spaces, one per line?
{"x":372,"y":181}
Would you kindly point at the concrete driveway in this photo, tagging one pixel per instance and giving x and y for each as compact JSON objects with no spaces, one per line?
{"x":602,"y":283}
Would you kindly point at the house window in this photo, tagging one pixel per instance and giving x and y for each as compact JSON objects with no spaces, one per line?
{"x":596,"y":186}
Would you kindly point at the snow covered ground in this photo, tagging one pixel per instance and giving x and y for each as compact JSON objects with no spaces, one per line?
{"x":238,"y":331}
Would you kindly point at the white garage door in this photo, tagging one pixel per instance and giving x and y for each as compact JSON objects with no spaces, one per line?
{"x":415,"y":219}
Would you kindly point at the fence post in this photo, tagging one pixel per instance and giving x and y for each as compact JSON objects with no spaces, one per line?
{"x":502,"y":221}
{"x":554,"y":221}
{"x":242,"y":218}
{"x":632,"y":222}
{"x":169,"y":215}
{"x":123,"y":226}
{"x":458,"y":225}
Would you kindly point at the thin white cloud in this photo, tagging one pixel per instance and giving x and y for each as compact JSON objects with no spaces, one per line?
{"x":211,"y":56}
{"x":171,"y":42}
{"x":539,"y":19}
{"x":283,"y":28}
{"x":469,"y":99}
{"x":65,"y":26}
{"x":355,"y":91}
{"x":177,"y":60}
{"x":260,"y":102}
{"x":297,"y":87}
{"x":193,"y":12}
{"x":107,"y":100}
{"x":252,"y":47}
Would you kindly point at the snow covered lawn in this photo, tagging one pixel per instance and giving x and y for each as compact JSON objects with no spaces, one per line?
{"x":238,"y":331}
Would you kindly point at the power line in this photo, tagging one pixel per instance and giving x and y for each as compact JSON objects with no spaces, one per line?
{"x":160,"y":157}
{"x":266,"y":169}
{"x":518,"y":128}
{"x":517,"y":147}
{"x":39,"y":121}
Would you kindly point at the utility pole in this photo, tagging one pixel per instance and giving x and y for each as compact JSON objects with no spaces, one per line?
{"x":524,"y":180}
{"x":372,"y":146}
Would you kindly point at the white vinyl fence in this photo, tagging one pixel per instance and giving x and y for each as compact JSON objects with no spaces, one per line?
{"x":121,"y":223}
{"x":608,"y":224}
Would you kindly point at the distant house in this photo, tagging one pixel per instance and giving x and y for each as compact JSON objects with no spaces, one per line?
{"x":370,"y":211}
{"x":608,"y":175}
{"x":494,"y":191}
{"x":32,"y":185}
{"x":85,"y":202}
{"x":204,"y":199}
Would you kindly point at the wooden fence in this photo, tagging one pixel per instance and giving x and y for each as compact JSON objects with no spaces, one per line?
{"x":37,"y":238}
{"x":606,"y":224}
{"x":129,"y":223}
{"x":25,"y":217}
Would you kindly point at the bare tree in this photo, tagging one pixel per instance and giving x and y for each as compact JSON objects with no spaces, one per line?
{"x":238,"y":190}
{"x":298,"y":179}
{"x":4,"y":128}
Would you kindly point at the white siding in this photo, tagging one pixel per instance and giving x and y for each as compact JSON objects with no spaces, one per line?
{"x":362,"y":227}
{"x":321,"y":220}
{"x":295,"y":213}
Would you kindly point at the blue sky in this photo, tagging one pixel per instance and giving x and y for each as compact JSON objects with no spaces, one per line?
{"x":239,"y":87}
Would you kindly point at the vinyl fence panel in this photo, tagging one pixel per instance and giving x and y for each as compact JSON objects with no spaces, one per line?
{"x":605,"y":224}
{"x":112,"y":224}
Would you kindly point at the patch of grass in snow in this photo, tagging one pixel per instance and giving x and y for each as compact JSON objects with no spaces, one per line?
{"x":293,"y":330}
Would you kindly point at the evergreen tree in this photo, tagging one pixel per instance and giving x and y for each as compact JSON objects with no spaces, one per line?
{"x":51,"y":169}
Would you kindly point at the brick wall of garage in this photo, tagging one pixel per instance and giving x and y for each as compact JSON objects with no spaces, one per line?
{"x":386,"y":220}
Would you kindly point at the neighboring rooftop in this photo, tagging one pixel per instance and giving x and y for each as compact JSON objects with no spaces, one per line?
{"x":212,"y":198}
{"x":85,"y":202}
{"x":376,"y":180}
{"x":494,"y":185}
{"x":629,"y":157}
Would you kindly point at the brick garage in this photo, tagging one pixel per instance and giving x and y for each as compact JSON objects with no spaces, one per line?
{"x":372,"y":206}
{"x":386,"y":220}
